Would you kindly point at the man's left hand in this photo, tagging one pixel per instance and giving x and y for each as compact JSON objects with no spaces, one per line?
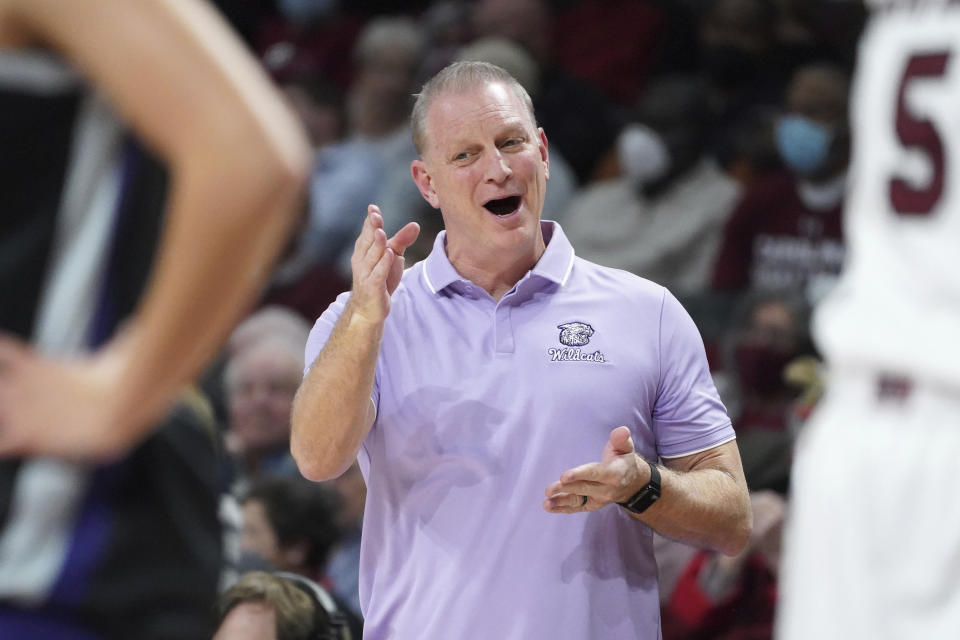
{"x":620,"y":473}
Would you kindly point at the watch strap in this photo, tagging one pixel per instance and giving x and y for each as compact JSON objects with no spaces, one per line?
{"x":646,"y":496}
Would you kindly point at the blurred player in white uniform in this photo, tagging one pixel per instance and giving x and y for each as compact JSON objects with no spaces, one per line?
{"x":873,"y":543}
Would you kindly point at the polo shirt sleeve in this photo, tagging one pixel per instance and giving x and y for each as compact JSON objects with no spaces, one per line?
{"x":320,"y":333}
{"x":688,"y":416}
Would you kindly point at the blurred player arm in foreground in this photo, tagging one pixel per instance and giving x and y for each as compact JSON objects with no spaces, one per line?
{"x":237,"y":159}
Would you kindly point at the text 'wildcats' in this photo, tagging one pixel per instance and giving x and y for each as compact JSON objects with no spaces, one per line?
{"x":574,"y":355}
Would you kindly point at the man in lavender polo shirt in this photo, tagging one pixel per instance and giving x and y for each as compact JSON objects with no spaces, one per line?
{"x":502,"y":394}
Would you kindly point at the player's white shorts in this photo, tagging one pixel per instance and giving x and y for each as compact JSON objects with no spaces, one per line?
{"x":872,"y":548}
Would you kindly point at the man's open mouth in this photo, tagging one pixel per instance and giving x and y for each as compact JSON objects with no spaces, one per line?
{"x":503,"y":206}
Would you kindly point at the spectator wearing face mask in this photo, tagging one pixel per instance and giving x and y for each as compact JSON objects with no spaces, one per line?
{"x":786,"y":234}
{"x":662,"y":218}
{"x":769,"y":333}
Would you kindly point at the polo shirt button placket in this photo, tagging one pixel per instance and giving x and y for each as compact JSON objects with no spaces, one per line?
{"x":503,"y":328}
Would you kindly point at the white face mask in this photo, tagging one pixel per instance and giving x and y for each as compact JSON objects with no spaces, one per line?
{"x":644,"y":158}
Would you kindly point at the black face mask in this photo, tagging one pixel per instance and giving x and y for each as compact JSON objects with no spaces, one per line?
{"x":761,"y":367}
{"x":729,"y":66}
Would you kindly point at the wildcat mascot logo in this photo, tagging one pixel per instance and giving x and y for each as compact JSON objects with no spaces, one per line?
{"x":574,"y":334}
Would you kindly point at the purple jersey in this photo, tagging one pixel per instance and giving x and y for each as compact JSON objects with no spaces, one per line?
{"x":482,"y":404}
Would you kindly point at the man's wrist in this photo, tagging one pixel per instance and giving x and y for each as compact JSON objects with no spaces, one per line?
{"x":646,"y":495}
{"x":357,"y":319}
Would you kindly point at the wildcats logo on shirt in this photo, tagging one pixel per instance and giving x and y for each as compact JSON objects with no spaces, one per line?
{"x":574,"y":334}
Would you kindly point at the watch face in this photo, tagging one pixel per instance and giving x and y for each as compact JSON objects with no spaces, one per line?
{"x":642,"y":499}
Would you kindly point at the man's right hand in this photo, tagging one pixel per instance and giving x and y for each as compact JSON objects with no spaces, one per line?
{"x":332,"y":411}
{"x":377,"y":265}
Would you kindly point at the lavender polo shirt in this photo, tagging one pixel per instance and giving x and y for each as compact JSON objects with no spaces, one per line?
{"x":481,"y":405}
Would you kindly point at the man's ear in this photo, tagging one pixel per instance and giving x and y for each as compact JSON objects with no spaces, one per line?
{"x":544,"y":152}
{"x":421,"y":177}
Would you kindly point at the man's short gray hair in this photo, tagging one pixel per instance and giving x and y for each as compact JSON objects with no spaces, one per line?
{"x":459,"y":77}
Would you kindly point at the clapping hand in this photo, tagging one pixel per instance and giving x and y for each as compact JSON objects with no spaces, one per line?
{"x":619,"y":474}
{"x":377,"y":265}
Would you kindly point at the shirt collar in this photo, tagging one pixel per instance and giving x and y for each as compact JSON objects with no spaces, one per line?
{"x":554,"y":265}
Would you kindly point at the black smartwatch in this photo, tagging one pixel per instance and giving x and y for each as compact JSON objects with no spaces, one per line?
{"x":641,"y":500}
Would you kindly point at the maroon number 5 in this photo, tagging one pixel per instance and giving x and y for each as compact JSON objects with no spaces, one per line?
{"x":919,"y":133}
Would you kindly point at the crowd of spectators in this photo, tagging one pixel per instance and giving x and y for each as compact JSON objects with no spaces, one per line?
{"x":702,"y":144}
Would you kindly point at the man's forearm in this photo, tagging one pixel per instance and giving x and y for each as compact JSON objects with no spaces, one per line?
{"x":332,"y":412}
{"x":702,"y":507}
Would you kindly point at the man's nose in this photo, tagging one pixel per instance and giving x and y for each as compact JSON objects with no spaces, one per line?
{"x":497,"y":168}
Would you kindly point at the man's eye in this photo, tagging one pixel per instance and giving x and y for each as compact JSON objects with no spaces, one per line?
{"x":511,"y":142}
{"x":463,"y":155}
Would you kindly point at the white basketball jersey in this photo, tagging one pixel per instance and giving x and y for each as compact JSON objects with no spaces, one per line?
{"x":897,"y":305}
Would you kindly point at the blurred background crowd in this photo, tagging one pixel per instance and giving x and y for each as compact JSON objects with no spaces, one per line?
{"x":702,"y":144}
